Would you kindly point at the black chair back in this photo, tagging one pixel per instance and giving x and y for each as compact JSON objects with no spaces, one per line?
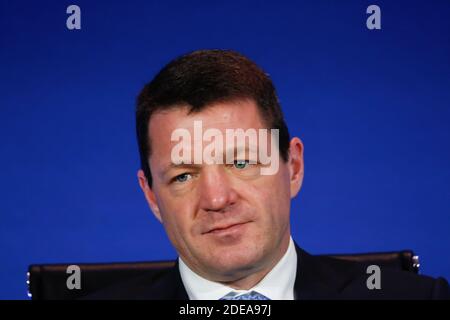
{"x":49,"y":281}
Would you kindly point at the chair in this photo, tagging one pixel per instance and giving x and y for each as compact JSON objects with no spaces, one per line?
{"x":48,"y":281}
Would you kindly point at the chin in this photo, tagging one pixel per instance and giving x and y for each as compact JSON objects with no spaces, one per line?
{"x":235,"y":261}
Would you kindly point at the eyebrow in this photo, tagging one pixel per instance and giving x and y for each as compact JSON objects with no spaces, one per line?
{"x":235,"y":150}
{"x":247,"y":148}
{"x":176,"y":166}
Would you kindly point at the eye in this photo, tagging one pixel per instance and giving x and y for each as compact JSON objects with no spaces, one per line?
{"x":182,"y":177}
{"x":241,"y":164}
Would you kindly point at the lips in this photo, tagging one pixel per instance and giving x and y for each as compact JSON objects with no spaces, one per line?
{"x":225,"y":227}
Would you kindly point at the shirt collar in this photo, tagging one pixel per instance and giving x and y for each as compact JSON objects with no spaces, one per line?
{"x":278,"y":284}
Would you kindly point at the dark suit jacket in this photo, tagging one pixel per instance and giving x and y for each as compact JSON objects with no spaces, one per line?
{"x":318,"y":277}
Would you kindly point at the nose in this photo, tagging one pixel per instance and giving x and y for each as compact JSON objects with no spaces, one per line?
{"x":217,"y":193}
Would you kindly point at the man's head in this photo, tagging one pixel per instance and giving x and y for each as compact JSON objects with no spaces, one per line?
{"x":227,"y":221}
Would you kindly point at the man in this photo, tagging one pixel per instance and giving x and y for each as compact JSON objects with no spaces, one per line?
{"x":227,"y":220}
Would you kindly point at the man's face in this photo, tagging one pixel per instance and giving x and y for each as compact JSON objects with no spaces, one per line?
{"x":225,"y":220}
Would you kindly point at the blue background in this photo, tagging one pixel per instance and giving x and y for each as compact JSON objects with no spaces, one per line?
{"x":372,"y":108}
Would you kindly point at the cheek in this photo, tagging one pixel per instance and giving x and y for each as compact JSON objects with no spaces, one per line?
{"x":176,"y":216}
{"x":270,"y":196}
{"x":179,"y":231}
{"x":274,"y":189}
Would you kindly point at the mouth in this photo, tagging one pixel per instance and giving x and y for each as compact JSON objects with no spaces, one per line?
{"x":227,"y":228}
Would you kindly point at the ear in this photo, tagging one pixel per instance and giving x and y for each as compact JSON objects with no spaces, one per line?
{"x":296,"y":165}
{"x":149,"y":195}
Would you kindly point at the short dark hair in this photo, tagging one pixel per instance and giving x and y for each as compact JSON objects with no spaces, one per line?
{"x":203,"y":77}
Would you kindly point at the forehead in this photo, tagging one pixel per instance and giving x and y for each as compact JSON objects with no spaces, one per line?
{"x":225,"y":114}
{"x":242,"y":114}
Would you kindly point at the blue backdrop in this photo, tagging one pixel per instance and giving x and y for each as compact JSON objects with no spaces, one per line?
{"x":372,"y":108}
